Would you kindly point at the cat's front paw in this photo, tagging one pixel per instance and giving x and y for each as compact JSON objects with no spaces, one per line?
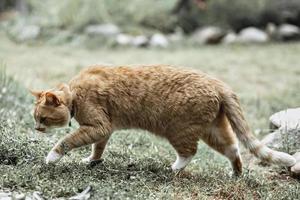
{"x":90,"y":159}
{"x":53,"y":157}
{"x":87,"y":160}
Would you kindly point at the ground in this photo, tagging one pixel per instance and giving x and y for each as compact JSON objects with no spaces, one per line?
{"x":136,"y":165}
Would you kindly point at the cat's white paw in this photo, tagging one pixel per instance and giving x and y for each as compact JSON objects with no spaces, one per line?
{"x":53,"y":157}
{"x":89,"y":159}
{"x":180,"y":163}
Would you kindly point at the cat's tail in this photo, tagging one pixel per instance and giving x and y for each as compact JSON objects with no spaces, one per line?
{"x":234,"y":113}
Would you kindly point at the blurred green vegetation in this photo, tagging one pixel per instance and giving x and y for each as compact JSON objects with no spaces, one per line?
{"x":76,"y":14}
{"x":135,"y":16}
{"x":60,"y":22}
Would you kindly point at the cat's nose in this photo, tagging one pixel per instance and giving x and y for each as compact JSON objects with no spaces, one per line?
{"x":40,"y":129}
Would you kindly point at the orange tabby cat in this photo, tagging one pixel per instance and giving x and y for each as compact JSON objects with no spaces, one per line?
{"x":180,"y":105}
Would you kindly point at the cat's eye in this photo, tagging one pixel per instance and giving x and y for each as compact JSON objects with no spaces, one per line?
{"x":42,"y":119}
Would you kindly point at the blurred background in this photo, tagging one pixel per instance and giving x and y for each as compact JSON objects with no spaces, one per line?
{"x":155,"y":23}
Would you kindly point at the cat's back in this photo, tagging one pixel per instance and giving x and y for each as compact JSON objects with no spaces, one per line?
{"x":138,"y":80}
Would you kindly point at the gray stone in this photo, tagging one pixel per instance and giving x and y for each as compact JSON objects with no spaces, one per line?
{"x":288,"y":32}
{"x":273,"y":140}
{"x":37,"y":195}
{"x":283,"y":139}
{"x":5,"y":195}
{"x":230,"y":38}
{"x":28,"y":32}
{"x":208,"y":35}
{"x":297,"y":156}
{"x":286,"y":119}
{"x":252,"y":34}
{"x":20,"y":196}
{"x":106,"y":30}
{"x":159,"y":40}
{"x":287,"y":130}
{"x":123,"y":39}
{"x":296,"y":169}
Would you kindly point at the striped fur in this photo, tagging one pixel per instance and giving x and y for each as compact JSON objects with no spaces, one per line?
{"x":182,"y":106}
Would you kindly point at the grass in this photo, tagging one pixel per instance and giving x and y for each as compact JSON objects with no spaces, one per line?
{"x":137,"y":165}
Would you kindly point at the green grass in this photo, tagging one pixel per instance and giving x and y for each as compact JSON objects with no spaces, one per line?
{"x":136,"y":165}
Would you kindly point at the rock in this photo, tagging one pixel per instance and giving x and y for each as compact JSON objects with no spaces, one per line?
{"x":123,"y":39}
{"x":106,"y":30}
{"x":229,"y":38}
{"x":20,"y":196}
{"x":84,"y":195}
{"x":283,"y":139}
{"x":288,"y":32}
{"x":273,"y":140}
{"x":37,"y":195}
{"x":5,"y":195}
{"x":287,"y":119}
{"x":296,"y":169}
{"x":297,"y":156}
{"x":28,"y":32}
{"x":140,"y":41}
{"x":287,"y":130}
{"x":159,"y":40}
{"x":252,"y":34}
{"x":208,"y":35}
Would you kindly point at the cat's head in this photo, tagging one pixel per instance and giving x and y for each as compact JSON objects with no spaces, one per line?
{"x":52,"y":108}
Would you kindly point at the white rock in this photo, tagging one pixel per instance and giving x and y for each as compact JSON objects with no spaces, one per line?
{"x":252,"y":34}
{"x":123,"y":39}
{"x":288,"y":31}
{"x":208,"y":35}
{"x":37,"y":196}
{"x":287,"y":133}
{"x":159,"y":40}
{"x":282,"y":139}
{"x":287,"y":119}
{"x":296,"y":169}
{"x":297,"y":156}
{"x":140,"y":41}
{"x":102,"y":29}
{"x":230,"y":38}
{"x":29,"y":32}
{"x":20,"y":196}
{"x":5,"y":195}
{"x":272,"y":139}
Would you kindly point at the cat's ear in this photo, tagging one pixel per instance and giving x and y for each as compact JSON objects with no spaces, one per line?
{"x":36,"y":93}
{"x":66,"y":93}
{"x":63,"y":87}
{"x":52,"y":99}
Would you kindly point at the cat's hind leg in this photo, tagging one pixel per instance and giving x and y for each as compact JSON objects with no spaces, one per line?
{"x":181,"y":162}
{"x":185,"y":148}
{"x":222,"y":139}
{"x":97,"y":151}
